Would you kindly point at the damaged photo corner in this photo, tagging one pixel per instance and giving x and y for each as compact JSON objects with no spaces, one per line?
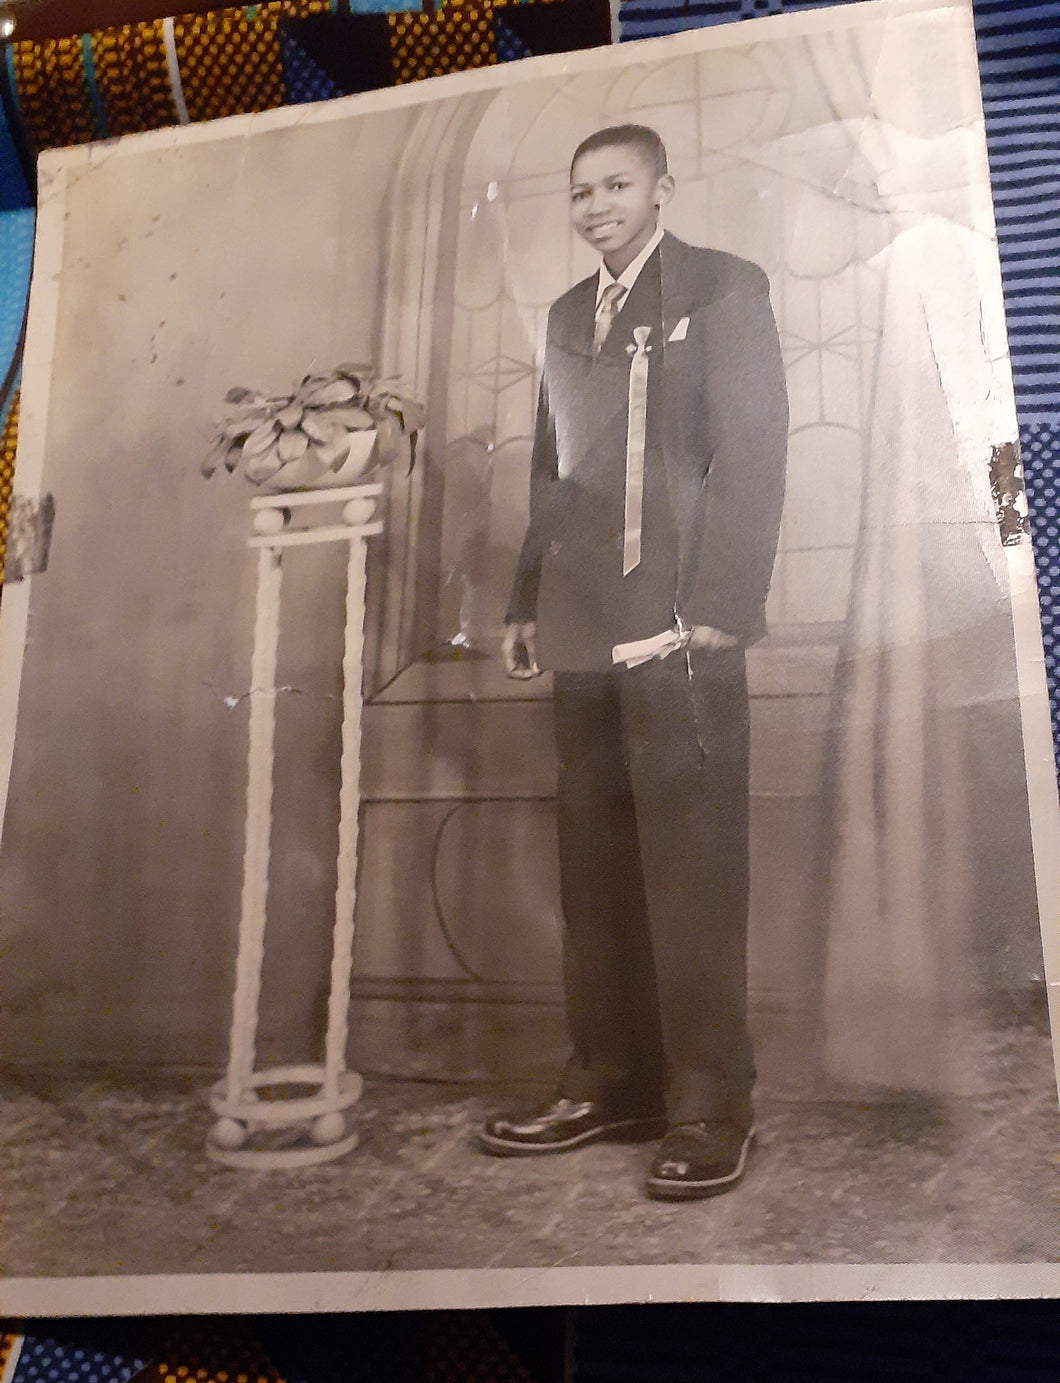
{"x":559,"y":805}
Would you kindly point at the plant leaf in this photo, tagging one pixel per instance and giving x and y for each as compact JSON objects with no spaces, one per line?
{"x":292,"y":444}
{"x":213,"y":457}
{"x":260,"y":440}
{"x":333,"y":392}
{"x":290,"y":416}
{"x":410,"y":415}
{"x":351,"y":418}
{"x":240,"y":428}
{"x":308,"y":386}
{"x":388,"y":439}
{"x":333,"y":454}
{"x":354,"y":371}
{"x":263,"y":466}
{"x":320,"y":426}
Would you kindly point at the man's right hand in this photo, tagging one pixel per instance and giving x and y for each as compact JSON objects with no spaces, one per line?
{"x":519,"y":652}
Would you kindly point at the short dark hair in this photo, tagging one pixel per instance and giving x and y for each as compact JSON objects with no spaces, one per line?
{"x":646,"y":142}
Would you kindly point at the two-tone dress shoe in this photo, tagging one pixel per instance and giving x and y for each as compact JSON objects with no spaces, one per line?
{"x":561,"y":1125}
{"x":699,"y":1159}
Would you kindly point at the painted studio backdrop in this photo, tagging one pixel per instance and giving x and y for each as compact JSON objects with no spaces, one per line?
{"x":894,"y":923}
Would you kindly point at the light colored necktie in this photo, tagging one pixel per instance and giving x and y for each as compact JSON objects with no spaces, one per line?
{"x":635,"y":434}
{"x":606,"y":312}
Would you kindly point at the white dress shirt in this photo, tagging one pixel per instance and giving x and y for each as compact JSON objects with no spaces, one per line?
{"x":629,"y":275}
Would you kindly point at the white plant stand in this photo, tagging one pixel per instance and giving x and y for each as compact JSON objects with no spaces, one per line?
{"x":237,"y":1099}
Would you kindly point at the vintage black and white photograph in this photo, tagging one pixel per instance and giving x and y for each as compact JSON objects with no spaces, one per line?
{"x":531,"y":775}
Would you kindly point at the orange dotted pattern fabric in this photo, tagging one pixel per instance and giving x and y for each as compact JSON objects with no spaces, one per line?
{"x":8,"y":1341}
{"x":229,"y":62}
{"x":170,"y":1372}
{"x":8,"y":438}
{"x":133,"y":79}
{"x":449,"y":40}
{"x":224,"y":1351}
{"x":467,"y":1349}
{"x":53,"y":96}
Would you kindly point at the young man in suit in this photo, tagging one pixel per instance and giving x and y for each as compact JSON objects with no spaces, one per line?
{"x":656,"y":491}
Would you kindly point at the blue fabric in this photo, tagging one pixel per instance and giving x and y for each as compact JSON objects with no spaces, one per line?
{"x":88,"y":65}
{"x":382,"y":6}
{"x":508,"y":46}
{"x":1019,"y":61}
{"x":14,"y":189}
{"x":44,"y":1359}
{"x":303,"y":79}
{"x":647,"y":18}
{"x":16,"y":257}
{"x":1041,"y":457}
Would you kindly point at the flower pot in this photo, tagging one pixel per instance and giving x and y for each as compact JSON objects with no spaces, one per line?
{"x":307,"y":473}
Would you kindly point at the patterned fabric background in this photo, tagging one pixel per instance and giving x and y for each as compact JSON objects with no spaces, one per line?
{"x":1019,"y":62}
{"x":8,"y":439}
{"x":16,"y":256}
{"x":129,"y":79}
{"x":421,"y":1347}
{"x":199,"y":67}
{"x":427,"y":45}
{"x":930,"y":1342}
{"x":989,"y":1342}
{"x":105,"y":1352}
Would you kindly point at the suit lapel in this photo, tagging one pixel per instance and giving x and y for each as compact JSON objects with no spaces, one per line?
{"x":576,"y":328}
{"x":678,"y":288}
{"x":683,"y":293}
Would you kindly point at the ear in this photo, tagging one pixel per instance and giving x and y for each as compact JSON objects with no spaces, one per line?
{"x":664,"y":190}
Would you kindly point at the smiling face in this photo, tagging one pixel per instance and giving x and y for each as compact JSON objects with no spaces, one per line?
{"x":615,"y":196}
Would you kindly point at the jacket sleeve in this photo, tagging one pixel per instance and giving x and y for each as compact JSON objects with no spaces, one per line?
{"x":736,"y":523}
{"x":544,"y":470}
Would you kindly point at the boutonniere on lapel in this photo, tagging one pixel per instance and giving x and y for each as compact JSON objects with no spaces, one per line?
{"x":679,"y":332}
{"x":640,"y":341}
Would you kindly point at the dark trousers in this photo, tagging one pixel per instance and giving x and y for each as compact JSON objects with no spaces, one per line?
{"x":653,"y":846}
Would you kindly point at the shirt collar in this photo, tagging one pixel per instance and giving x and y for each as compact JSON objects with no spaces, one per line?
{"x":629,"y":275}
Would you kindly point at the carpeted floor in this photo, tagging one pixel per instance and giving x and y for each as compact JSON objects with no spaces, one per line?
{"x":109,"y":1176}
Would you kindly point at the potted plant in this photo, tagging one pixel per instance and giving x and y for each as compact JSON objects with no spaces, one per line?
{"x":331,"y":430}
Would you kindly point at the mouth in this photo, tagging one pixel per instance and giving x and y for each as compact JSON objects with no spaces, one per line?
{"x":602,"y":228}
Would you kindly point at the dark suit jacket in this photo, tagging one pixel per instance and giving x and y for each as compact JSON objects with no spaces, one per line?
{"x":714,"y":474}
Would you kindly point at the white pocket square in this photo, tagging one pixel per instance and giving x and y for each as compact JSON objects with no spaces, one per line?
{"x":680,"y":331}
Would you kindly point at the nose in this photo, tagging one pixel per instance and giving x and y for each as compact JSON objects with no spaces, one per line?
{"x":599,"y":201}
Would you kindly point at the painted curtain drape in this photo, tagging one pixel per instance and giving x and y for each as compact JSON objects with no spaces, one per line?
{"x":930,"y":904}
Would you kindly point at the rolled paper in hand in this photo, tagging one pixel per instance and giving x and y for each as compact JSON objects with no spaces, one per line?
{"x":658,"y":646}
